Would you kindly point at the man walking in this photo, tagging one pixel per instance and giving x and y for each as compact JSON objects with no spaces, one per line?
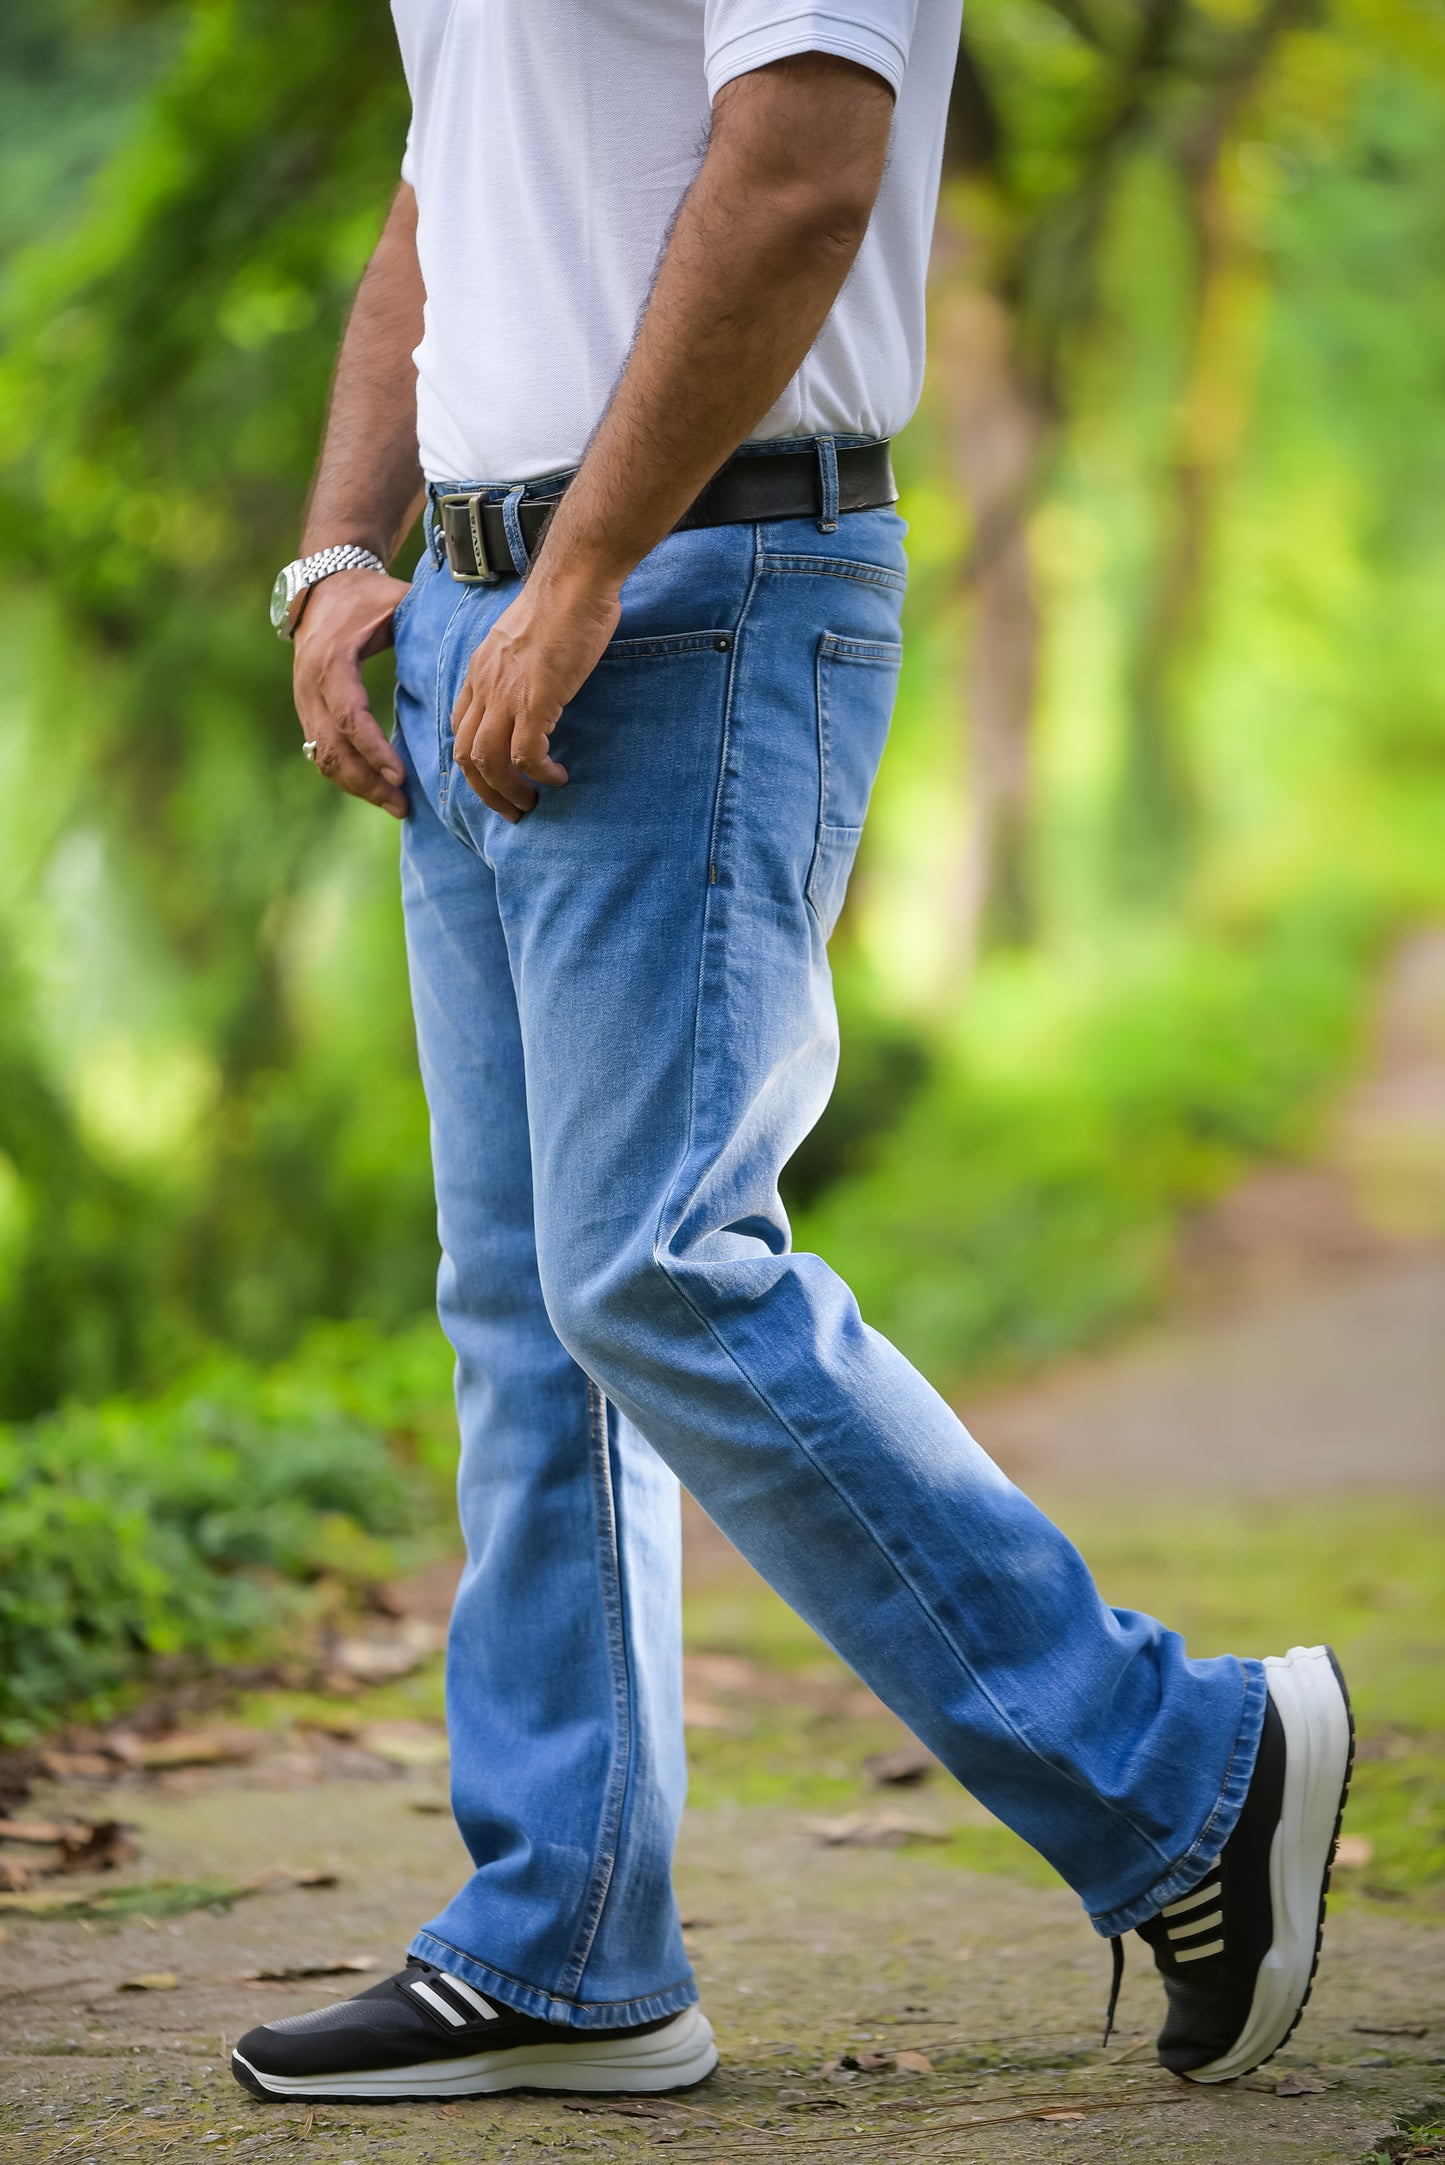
{"x":650,"y":296}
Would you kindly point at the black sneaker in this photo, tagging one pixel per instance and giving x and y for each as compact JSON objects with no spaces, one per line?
{"x":424,"y":2033}
{"x":1238,"y":1954}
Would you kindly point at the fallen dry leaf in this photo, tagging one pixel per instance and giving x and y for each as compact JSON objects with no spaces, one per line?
{"x":380,"y":1658}
{"x":150,"y":1981}
{"x":630,"y":2108}
{"x":337,"y":1966}
{"x":332,"y":1722}
{"x":1353,"y":1851}
{"x":1051,"y":2114}
{"x":37,"y":1830}
{"x":912,"y":2063}
{"x":78,"y":1766}
{"x":1402,"y":2029}
{"x":703,"y":1714}
{"x":405,"y":1743}
{"x":104,"y":1847}
{"x":873,"y":1830}
{"x":1299,"y":2085}
{"x":15,"y":1877}
{"x":277,"y":1876}
{"x":901,"y":1769}
{"x":186,"y":1748}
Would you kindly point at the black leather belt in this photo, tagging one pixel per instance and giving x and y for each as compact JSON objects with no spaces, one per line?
{"x":750,"y":487}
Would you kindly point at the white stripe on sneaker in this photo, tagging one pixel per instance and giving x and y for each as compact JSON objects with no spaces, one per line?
{"x":1195,"y":1927}
{"x":1195,"y":1954}
{"x":1192,"y":1901}
{"x":484,"y":2008}
{"x":424,"y":1991}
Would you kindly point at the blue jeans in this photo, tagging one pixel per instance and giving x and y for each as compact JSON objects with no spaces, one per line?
{"x":626,"y":1027}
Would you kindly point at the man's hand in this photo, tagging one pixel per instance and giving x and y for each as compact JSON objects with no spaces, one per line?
{"x":536,"y":657}
{"x":346,"y":619}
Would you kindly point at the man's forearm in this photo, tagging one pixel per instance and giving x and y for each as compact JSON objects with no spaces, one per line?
{"x":368,"y":485}
{"x":761,"y":246}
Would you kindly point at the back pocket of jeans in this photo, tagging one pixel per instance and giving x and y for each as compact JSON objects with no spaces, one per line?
{"x":856,"y":683}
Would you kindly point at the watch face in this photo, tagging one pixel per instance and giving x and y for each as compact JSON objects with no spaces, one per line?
{"x":281,"y":598}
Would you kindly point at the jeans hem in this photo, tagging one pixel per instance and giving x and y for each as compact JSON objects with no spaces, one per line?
{"x":526,"y":1999}
{"x":1187,"y":1870}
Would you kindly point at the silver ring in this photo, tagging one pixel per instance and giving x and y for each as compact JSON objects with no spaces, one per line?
{"x":309,"y":748}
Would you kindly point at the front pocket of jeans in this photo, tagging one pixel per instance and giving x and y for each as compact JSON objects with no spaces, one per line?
{"x":856,"y":680}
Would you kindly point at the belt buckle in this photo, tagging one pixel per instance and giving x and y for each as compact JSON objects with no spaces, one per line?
{"x":471,"y":503}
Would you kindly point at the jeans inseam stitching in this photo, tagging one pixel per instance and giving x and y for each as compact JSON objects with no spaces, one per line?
{"x":575,"y":1967}
{"x":664,"y":1212}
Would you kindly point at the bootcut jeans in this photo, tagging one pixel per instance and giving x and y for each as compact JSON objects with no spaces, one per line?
{"x":626,"y":1026}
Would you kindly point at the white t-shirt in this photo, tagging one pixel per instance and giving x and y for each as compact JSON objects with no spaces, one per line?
{"x":551,"y":142}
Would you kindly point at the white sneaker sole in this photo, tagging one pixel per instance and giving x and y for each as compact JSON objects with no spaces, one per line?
{"x":1309,"y":1696}
{"x":668,"y":2059}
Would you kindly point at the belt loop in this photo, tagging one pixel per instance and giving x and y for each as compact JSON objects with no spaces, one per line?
{"x":512,"y":524}
{"x":432,"y":529}
{"x":828,"y":476}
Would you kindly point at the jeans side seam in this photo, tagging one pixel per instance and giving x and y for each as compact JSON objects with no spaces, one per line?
{"x":609,"y":1830}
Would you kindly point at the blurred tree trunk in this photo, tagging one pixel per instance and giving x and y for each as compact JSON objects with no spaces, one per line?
{"x":1158,"y":810}
{"x":995,"y":429}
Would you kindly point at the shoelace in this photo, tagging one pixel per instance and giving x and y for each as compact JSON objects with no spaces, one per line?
{"x":1189,"y":1931}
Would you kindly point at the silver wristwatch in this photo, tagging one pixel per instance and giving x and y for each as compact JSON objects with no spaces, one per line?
{"x":296,"y":581}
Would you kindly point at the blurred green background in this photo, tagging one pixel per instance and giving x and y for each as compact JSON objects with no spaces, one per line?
{"x":1164,"y":783}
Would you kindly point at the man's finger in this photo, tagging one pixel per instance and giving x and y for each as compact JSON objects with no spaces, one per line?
{"x":494,"y":802}
{"x":362,"y":730}
{"x":344,"y":766}
{"x":461,"y":705}
{"x":532,"y":753}
{"x":491,"y":752}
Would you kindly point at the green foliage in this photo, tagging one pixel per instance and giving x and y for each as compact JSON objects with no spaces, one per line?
{"x":187,"y":1526}
{"x":1027,"y":1200}
{"x":211,"y":1125}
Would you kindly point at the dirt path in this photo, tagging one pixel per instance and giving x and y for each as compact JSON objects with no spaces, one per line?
{"x":804,"y":1954}
{"x":1309,"y":1354}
